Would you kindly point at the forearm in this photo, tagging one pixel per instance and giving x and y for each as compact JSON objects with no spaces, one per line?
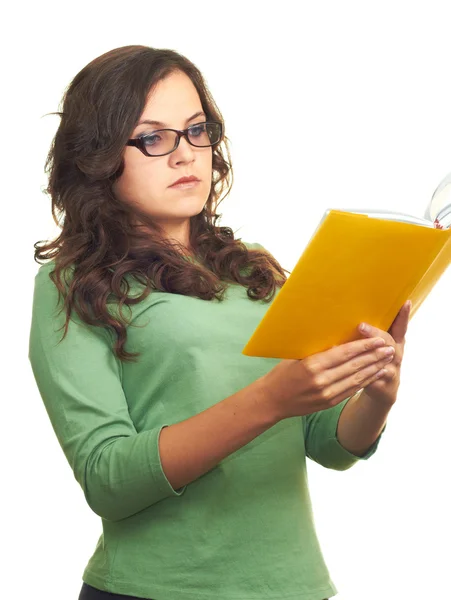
{"x":192,"y":447}
{"x":360,"y":423}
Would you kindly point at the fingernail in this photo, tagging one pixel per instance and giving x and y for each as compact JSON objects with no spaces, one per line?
{"x":364,"y":328}
{"x":409,"y":304}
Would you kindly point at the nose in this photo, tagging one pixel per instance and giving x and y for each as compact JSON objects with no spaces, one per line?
{"x":184,"y":150}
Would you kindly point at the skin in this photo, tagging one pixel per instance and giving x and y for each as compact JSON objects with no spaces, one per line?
{"x":364,"y":416}
{"x":145,"y":180}
{"x":384,"y":390}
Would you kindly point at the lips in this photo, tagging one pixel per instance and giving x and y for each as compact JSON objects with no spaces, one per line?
{"x":185,"y":180}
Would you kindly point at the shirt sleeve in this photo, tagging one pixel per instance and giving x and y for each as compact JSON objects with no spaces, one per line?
{"x":79,"y":380}
{"x":321,"y":442}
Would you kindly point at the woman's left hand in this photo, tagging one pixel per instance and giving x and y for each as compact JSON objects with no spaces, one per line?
{"x":385,"y":389}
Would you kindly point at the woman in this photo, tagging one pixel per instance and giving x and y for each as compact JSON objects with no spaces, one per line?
{"x":192,"y":454}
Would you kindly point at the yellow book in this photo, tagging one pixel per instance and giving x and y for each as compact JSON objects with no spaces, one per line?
{"x":356,"y":268}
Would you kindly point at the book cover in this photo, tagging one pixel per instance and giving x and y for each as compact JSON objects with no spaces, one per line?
{"x":355,"y":268}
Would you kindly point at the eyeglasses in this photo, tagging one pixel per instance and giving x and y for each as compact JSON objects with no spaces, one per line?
{"x":165,"y":141}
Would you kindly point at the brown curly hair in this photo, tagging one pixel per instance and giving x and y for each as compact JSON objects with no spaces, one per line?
{"x":100,"y":246}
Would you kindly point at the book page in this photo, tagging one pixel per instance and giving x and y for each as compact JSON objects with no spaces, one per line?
{"x":390,"y":215}
{"x":384,"y":214}
{"x":439,"y":208}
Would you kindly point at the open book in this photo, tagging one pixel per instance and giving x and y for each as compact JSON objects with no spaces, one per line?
{"x":441,"y":221}
{"x":437,"y":214}
{"x":359,"y":265}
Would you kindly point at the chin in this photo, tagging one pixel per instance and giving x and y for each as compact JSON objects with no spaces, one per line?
{"x":196,"y":212}
{"x":195,"y":207}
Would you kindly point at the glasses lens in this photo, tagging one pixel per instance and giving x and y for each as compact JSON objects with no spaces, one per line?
{"x":205,"y":134}
{"x":160,"y":142}
{"x":201,"y":135}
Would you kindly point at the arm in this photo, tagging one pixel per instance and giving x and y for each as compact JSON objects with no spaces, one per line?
{"x":324,"y":432}
{"x":361,"y":423}
{"x":120,"y":470}
{"x":364,"y":418}
{"x":192,"y":447}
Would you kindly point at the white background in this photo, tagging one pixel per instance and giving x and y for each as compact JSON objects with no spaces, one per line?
{"x":327,"y":104}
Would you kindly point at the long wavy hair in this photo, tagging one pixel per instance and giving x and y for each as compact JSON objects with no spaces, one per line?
{"x":103,"y":243}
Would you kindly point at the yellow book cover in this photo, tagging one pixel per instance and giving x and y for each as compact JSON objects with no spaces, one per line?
{"x":355,"y":268}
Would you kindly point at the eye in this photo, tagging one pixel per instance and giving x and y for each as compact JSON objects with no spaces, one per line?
{"x":150,"y":139}
{"x":197,"y":130}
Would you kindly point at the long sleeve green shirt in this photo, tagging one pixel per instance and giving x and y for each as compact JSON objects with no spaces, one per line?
{"x":242,"y":531}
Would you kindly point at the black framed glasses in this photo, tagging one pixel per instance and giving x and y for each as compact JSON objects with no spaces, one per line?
{"x":165,"y":141}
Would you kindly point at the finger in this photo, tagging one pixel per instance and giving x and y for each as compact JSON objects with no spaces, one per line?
{"x":352,"y":384}
{"x":399,"y":326}
{"x":363,"y":365}
{"x":369,"y":331}
{"x":337,"y":355}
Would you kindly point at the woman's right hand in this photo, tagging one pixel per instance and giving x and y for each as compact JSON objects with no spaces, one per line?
{"x":322,"y":380}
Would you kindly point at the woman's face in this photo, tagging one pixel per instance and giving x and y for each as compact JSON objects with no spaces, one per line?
{"x":146,"y":180}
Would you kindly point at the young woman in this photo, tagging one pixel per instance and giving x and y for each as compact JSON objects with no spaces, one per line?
{"x":192,"y":453}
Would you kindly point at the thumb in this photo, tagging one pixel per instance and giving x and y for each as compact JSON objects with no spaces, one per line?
{"x":399,"y":326}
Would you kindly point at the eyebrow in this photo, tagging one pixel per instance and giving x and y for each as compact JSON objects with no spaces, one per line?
{"x":160,"y":124}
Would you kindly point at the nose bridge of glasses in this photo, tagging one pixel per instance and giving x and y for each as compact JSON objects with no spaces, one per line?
{"x":183,"y":135}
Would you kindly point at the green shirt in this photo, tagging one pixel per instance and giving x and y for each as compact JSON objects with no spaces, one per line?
{"x":242,"y":531}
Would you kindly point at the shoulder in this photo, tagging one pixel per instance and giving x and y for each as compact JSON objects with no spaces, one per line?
{"x":254,"y":246}
{"x":44,"y":286}
{"x":43,"y":273}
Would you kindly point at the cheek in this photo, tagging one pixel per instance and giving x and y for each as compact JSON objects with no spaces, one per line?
{"x":139,"y":181}
{"x":207,"y":165}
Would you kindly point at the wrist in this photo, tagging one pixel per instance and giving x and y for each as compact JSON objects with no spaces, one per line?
{"x":384,"y":404}
{"x":267,"y":403}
